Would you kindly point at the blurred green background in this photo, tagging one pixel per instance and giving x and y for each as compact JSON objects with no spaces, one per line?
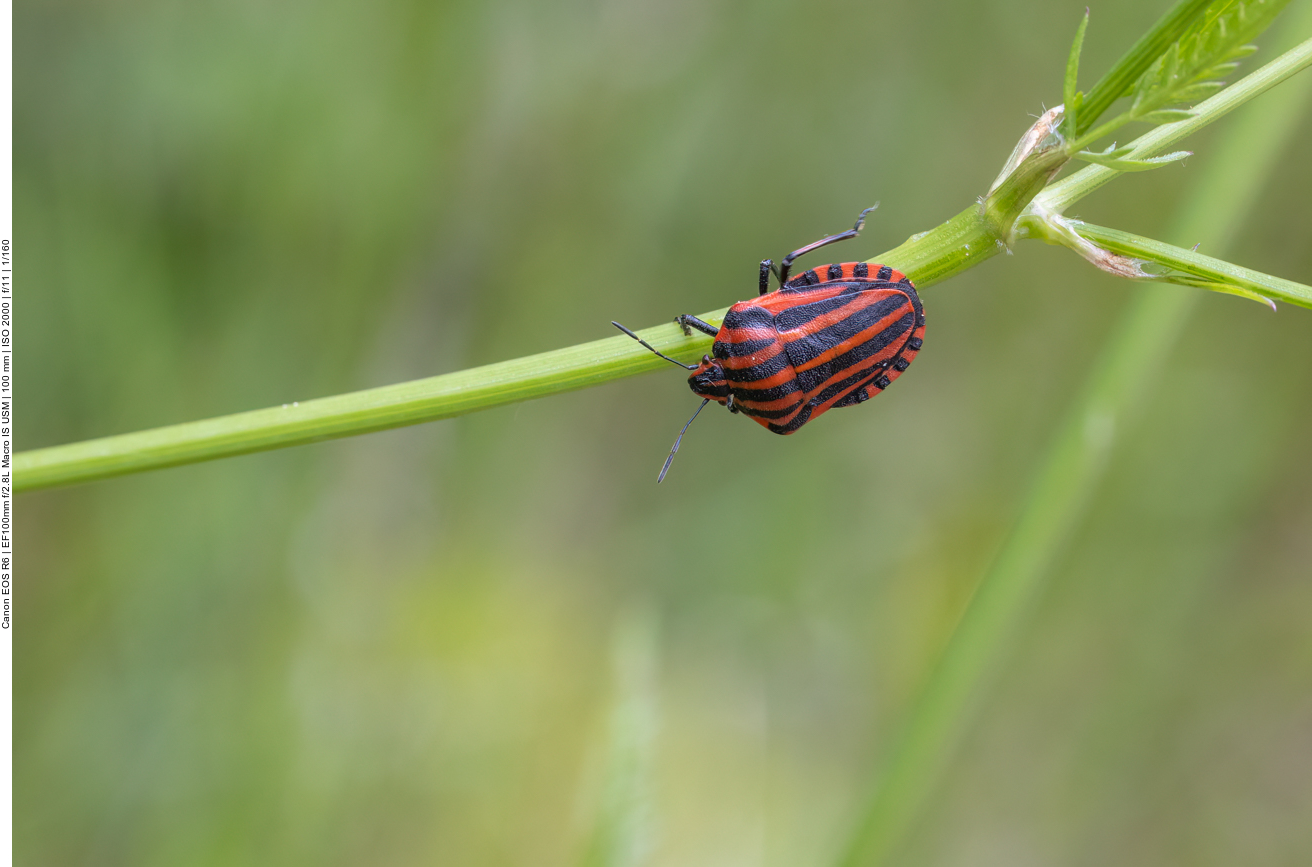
{"x":495,"y":640}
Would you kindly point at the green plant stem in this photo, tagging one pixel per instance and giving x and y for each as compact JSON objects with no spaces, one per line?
{"x":966,"y":240}
{"x":1065,"y":482}
{"x":954,"y":246}
{"x":375,"y":409}
{"x":1107,"y":128}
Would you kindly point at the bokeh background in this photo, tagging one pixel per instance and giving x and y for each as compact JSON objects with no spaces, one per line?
{"x":494,"y":640}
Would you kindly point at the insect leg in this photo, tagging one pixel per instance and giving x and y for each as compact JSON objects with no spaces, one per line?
{"x":687,"y":322}
{"x":786,"y":263}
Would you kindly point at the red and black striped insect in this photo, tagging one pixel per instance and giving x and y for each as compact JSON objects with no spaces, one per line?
{"x":830,"y":337}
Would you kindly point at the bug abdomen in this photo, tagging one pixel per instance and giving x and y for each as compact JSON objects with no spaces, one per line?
{"x":848,"y":338}
{"x":842,"y":342}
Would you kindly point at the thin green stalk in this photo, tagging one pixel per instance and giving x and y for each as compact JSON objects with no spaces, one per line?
{"x":1066,"y":481}
{"x":1138,"y":258}
{"x":1189,"y":268}
{"x":966,"y":240}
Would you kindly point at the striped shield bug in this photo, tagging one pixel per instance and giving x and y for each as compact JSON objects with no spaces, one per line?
{"x":830,"y":337}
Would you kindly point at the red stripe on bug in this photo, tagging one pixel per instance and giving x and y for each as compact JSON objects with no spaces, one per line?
{"x":847,"y":345}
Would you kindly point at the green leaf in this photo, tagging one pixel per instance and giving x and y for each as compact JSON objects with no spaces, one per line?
{"x":1120,"y":79}
{"x":1209,"y":49}
{"x":1114,"y":152}
{"x":1225,"y":288}
{"x":1221,"y":70}
{"x":1061,"y":195}
{"x":1111,"y":161}
{"x":1196,"y":93}
{"x":1069,"y":93}
{"x":1167,"y":115}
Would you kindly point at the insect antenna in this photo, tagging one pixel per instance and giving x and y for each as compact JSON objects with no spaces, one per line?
{"x":665,"y":469}
{"x":653,"y":349}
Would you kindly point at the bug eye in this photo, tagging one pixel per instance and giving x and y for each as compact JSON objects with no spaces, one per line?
{"x":706,"y":359}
